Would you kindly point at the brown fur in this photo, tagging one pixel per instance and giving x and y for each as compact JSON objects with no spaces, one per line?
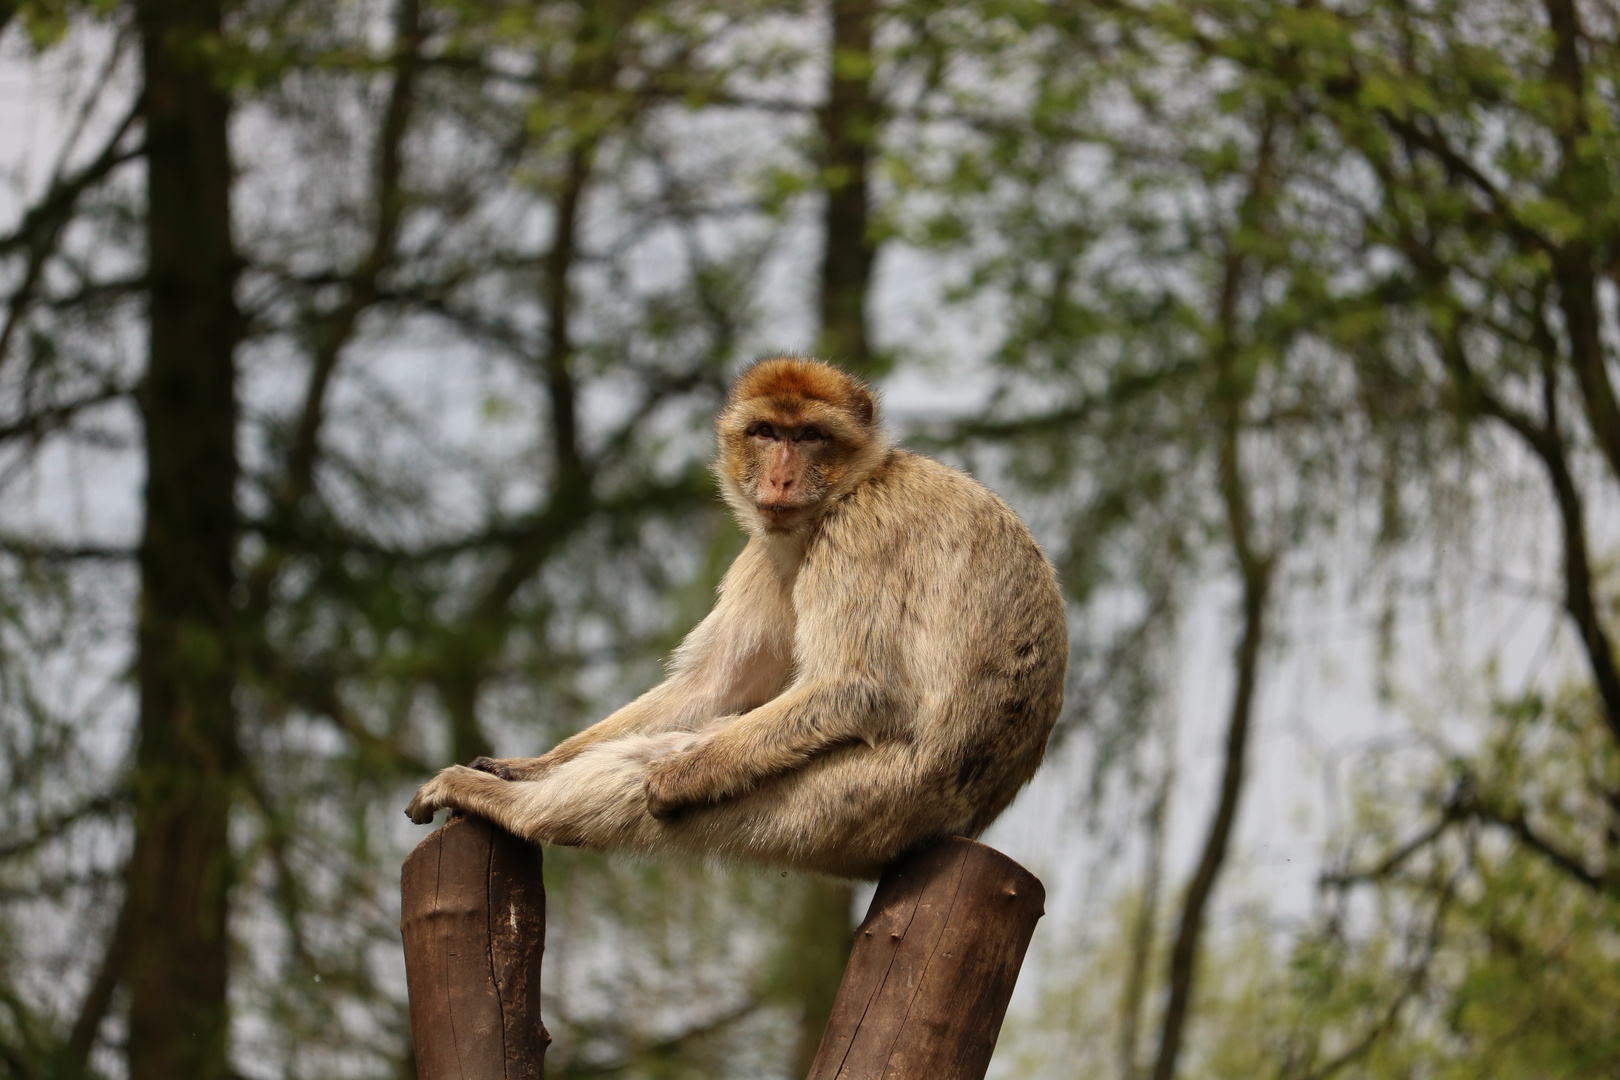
{"x":788,"y":381}
{"x":883,"y":665}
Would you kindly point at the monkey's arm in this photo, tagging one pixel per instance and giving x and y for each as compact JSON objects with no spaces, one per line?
{"x":671,"y":704}
{"x":680,"y":702}
{"x":778,"y":737}
{"x":737,"y":657}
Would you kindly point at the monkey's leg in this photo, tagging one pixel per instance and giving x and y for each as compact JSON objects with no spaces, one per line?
{"x":515,"y":768}
{"x":660,"y":709}
{"x":719,"y":682}
{"x":778,"y":737}
{"x":597,"y":799}
{"x":847,"y":813}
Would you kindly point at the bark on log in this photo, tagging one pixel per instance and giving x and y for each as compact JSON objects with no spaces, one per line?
{"x":473,"y":915}
{"x":933,"y":967}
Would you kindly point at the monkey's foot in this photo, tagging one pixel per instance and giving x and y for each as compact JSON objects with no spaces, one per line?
{"x":426,"y":803}
{"x":439,"y":792}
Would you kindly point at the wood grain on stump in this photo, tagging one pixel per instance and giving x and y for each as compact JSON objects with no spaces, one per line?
{"x":933,"y":967}
{"x":473,"y":915}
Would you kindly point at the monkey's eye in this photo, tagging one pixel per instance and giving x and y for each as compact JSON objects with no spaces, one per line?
{"x":811,"y":434}
{"x":762,"y":430}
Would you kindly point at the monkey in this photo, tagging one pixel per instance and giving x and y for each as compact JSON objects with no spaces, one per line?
{"x":882,"y":667}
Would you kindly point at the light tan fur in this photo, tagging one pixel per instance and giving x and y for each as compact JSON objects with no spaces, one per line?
{"x":883,"y":665}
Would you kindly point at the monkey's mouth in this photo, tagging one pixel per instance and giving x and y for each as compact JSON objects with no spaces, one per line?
{"x":784,"y":515}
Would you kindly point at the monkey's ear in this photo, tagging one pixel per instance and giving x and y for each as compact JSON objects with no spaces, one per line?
{"x":863,"y":404}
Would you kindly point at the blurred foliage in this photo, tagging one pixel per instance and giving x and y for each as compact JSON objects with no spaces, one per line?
{"x":1426,"y":315}
{"x":1449,"y":944}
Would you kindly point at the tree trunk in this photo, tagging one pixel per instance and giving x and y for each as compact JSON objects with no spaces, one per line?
{"x":933,"y":967}
{"x":1232,"y":388}
{"x":180,"y":872}
{"x":473,"y":916}
{"x":1190,"y":928}
{"x":1143,"y":931}
{"x":848,"y":133}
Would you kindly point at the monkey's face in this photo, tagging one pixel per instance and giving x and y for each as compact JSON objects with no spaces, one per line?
{"x":789,"y":459}
{"x":795,"y":433}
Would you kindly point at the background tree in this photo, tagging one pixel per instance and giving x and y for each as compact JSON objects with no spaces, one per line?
{"x":1425,"y":269}
{"x":404,"y":567}
{"x":173,"y":937}
{"x":355,"y":375}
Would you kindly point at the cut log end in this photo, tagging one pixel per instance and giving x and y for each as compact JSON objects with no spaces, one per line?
{"x":473,"y":916}
{"x":927,"y":986}
{"x":924,"y":996}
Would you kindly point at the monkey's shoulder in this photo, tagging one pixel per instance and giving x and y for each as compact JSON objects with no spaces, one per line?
{"x":917,"y":524}
{"x":909,"y":493}
{"x":929,"y":565}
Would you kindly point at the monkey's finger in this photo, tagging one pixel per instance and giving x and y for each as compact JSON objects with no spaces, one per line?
{"x":421,"y":811}
{"x":663,"y":802}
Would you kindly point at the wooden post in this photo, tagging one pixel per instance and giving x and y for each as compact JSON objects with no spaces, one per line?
{"x":473,"y":915}
{"x":933,"y":967}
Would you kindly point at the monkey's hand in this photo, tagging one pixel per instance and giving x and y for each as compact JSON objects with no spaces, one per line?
{"x":437,"y":793}
{"x":513,"y":768}
{"x":683,"y":779}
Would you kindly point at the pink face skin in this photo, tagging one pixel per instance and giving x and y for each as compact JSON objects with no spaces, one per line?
{"x":787,"y":487}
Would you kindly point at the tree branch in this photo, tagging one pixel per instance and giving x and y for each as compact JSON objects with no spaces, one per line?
{"x":335,"y":331}
{"x":41,"y":227}
{"x":1605,"y":883}
{"x":58,"y":826}
{"x":1395,"y":860}
{"x":98,"y":998}
{"x":48,"y":552}
{"x":1417,"y":976}
{"x":34,"y":426}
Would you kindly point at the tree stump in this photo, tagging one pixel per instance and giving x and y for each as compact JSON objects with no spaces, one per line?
{"x":473,"y":915}
{"x":933,"y":967}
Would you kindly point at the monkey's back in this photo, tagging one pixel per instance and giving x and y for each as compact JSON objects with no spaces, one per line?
{"x":932,"y":588}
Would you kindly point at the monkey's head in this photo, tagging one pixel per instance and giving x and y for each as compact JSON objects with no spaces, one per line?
{"x":795,"y":434}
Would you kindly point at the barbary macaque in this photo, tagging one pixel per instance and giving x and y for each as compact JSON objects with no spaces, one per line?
{"x":882,"y":667}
